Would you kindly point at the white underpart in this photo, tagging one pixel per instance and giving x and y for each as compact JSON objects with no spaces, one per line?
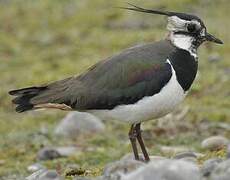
{"x":147,"y":108}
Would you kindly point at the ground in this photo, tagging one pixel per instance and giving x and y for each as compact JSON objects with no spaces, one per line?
{"x":42,"y":41}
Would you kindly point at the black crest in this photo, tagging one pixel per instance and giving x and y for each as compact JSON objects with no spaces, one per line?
{"x":184,"y":16}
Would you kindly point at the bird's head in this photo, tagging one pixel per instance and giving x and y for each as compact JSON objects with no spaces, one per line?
{"x":186,"y":31}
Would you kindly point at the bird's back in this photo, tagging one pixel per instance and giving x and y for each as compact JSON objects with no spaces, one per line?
{"x":121,"y":79}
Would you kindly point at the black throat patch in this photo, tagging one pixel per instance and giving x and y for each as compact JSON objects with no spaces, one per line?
{"x":185,"y":67}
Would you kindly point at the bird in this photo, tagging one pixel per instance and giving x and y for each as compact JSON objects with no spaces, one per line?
{"x":141,"y":83}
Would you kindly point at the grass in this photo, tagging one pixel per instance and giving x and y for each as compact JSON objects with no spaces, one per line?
{"x":43,"y":41}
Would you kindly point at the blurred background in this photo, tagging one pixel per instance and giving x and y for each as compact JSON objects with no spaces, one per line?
{"x":43,"y":41}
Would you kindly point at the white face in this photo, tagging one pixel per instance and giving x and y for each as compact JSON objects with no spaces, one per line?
{"x":182,"y":33}
{"x":176,"y":24}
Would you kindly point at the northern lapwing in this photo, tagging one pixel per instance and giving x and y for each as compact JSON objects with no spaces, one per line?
{"x":141,"y":83}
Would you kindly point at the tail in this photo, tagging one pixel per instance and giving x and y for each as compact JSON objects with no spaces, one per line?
{"x":24,"y":96}
{"x":55,"y":95}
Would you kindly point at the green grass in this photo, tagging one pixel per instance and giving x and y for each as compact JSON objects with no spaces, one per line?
{"x":43,"y":41}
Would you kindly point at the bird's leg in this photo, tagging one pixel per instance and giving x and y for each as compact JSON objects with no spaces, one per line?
{"x":140,"y":140}
{"x":133,"y":137}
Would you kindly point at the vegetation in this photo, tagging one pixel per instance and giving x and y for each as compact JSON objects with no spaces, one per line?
{"x":43,"y":41}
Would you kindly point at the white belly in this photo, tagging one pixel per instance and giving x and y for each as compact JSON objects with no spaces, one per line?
{"x":147,"y":108}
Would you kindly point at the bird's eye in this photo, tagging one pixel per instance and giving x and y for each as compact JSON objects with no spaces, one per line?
{"x":191,"y":27}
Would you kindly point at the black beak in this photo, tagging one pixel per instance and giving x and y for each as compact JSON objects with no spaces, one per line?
{"x":211,"y":38}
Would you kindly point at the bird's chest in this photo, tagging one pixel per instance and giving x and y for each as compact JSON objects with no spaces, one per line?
{"x":185,"y":66}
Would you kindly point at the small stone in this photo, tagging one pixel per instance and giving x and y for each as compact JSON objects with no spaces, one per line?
{"x":228,"y":151}
{"x":166,"y":170}
{"x":222,"y":171}
{"x":2,"y":162}
{"x":209,"y":166}
{"x":214,"y":143}
{"x":185,"y":155}
{"x":130,"y":156}
{"x":52,"y":174}
{"x":173,"y":150}
{"x":215,"y":57}
{"x":224,"y":126}
{"x":114,"y":170}
{"x":66,"y":151}
{"x":44,"y":174}
{"x":76,"y":123}
{"x":35,"y":167}
{"x":48,"y":154}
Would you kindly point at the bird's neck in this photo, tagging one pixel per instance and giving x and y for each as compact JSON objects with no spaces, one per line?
{"x":183,"y":42}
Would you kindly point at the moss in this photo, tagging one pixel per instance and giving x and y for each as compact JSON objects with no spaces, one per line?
{"x":83,"y":172}
{"x":220,"y":153}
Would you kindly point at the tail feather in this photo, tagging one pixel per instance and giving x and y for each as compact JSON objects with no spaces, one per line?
{"x":30,"y":90}
{"x":31,"y":97}
{"x":24,"y":96}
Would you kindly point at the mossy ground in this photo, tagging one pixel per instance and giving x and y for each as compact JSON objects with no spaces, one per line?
{"x":42,"y":41}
